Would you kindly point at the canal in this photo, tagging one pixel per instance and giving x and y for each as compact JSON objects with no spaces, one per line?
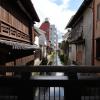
{"x":50,"y":92}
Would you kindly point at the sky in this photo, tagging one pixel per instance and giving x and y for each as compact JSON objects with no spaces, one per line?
{"x":59,"y":12}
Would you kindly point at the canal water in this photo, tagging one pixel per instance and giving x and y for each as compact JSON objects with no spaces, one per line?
{"x":57,"y":62}
{"x":59,"y":91}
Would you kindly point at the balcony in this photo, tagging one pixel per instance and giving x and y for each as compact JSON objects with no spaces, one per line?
{"x":22,"y":86}
{"x":76,"y":33}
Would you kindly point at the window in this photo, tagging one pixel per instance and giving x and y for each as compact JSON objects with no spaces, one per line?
{"x":98,"y":48}
{"x":98,"y":12}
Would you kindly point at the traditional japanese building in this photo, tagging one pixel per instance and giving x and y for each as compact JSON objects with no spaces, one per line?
{"x":17,"y":18}
{"x":85,"y":33}
{"x":80,"y":36}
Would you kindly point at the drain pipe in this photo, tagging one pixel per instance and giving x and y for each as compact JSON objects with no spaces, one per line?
{"x":93,"y":34}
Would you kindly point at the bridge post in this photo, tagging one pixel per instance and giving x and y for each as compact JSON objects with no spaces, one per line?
{"x":25,"y":92}
{"x":72,"y":93}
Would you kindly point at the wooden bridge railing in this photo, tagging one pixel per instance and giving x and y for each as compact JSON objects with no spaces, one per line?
{"x":78,"y":89}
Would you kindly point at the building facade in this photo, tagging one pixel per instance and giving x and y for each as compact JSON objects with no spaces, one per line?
{"x":42,"y":42}
{"x":80,"y":37}
{"x":45,"y":26}
{"x":70,"y":49}
{"x":96,"y":35}
{"x":53,"y":37}
{"x":17,"y":19}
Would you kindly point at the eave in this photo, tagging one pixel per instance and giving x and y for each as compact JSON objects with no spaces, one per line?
{"x":82,"y":8}
{"x":28,"y":8}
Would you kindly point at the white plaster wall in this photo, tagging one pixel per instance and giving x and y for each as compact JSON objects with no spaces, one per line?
{"x":87,"y":34}
{"x":72,"y":52}
{"x":36,"y":41}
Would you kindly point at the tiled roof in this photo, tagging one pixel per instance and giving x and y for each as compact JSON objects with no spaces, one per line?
{"x":82,"y":8}
{"x":17,"y":45}
{"x":29,"y":7}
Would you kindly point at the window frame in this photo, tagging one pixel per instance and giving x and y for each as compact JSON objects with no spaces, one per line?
{"x":98,"y":49}
{"x":98,"y":11}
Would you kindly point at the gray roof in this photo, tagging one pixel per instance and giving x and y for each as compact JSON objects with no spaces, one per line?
{"x":81,"y":9}
{"x":17,"y":45}
{"x":29,"y":7}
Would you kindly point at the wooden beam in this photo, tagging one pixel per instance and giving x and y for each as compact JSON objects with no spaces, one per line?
{"x":67,"y":69}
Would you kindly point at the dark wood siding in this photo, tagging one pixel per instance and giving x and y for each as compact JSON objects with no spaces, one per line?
{"x":11,"y":14}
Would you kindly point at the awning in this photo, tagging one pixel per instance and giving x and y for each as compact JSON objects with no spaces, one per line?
{"x":17,"y":45}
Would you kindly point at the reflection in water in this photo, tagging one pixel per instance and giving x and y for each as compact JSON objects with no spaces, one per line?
{"x":56,"y":91}
{"x":59,"y":74}
{"x":58,"y":63}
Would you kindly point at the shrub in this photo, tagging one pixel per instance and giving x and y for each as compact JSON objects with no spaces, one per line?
{"x":44,"y":61}
{"x":62,"y":58}
{"x":65,"y":59}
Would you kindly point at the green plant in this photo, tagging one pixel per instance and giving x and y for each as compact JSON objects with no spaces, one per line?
{"x":62,"y":58}
{"x":65,"y":59}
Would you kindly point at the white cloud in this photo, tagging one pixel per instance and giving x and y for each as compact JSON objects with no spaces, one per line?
{"x":58,"y":15}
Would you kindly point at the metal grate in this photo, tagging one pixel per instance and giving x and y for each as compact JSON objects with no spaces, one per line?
{"x":49,"y":93}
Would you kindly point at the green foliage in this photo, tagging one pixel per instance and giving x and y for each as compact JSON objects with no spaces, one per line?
{"x":64,"y":59}
{"x":44,"y":61}
{"x":63,"y":53}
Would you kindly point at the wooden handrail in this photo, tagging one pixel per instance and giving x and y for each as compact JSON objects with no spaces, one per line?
{"x":66,"y":69}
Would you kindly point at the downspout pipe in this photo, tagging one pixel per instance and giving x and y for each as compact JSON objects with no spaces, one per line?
{"x":93,"y":34}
